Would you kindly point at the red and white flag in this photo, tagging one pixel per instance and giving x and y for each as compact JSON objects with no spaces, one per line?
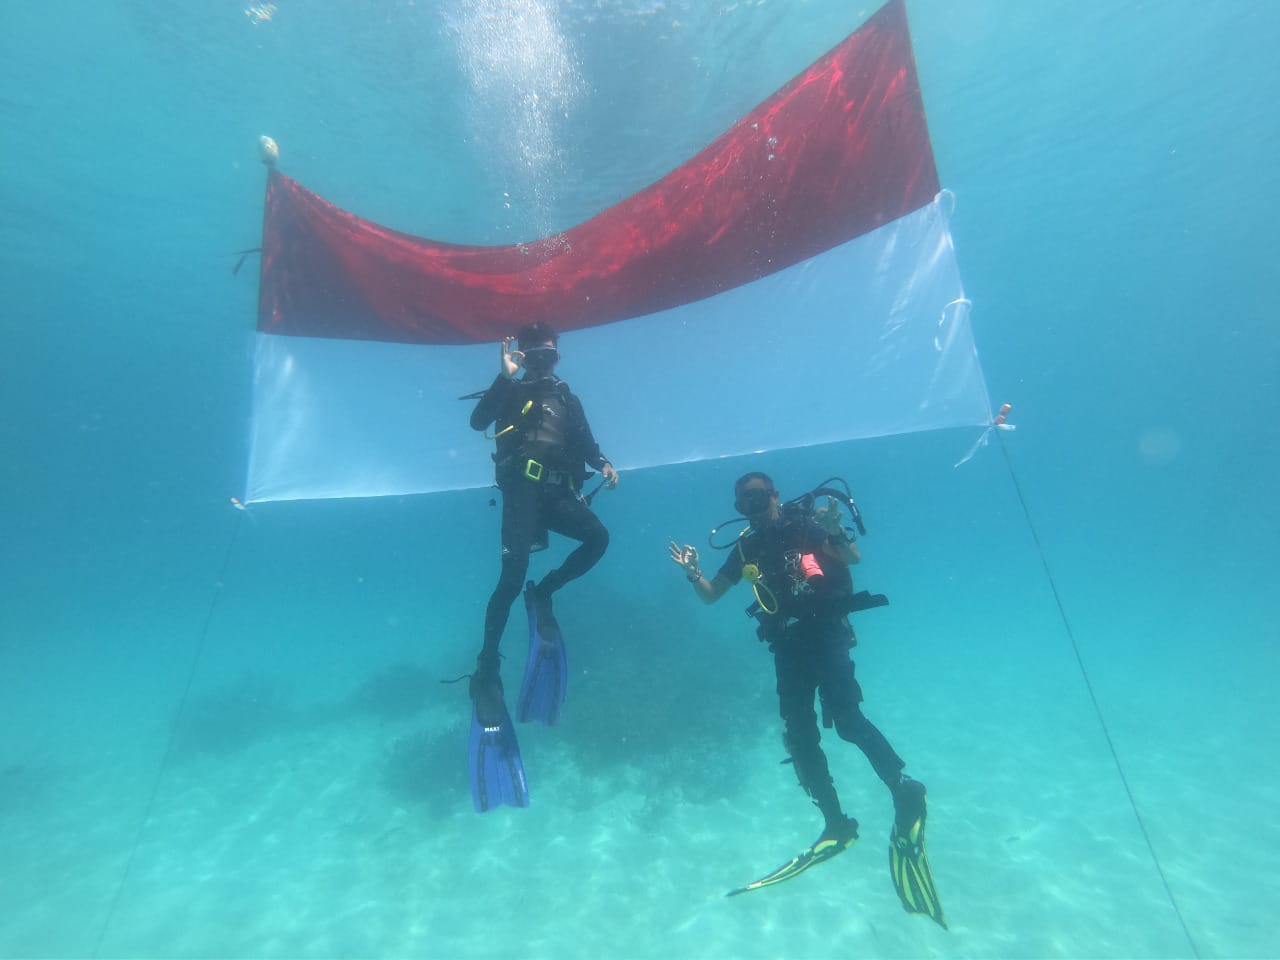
{"x":792,"y":284}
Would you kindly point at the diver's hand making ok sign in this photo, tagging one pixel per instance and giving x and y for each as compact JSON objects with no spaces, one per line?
{"x":686,"y":557}
{"x":511,"y":359}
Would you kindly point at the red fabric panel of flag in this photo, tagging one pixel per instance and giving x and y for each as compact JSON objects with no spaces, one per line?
{"x":839,"y":151}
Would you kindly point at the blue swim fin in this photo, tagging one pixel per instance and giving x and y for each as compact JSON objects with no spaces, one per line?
{"x":546,"y":672}
{"x":497,"y":772}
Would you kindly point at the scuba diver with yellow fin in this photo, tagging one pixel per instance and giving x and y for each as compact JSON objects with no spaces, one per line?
{"x":544,"y":446}
{"x":796,"y":556}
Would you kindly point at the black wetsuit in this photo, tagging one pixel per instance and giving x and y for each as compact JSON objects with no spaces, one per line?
{"x":810,"y":638}
{"x":540,"y":465}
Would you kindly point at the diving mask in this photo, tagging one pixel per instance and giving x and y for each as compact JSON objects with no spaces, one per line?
{"x":543,"y":358}
{"x":754,"y":501}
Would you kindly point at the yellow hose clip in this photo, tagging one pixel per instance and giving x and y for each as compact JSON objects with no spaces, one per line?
{"x":528,"y":405}
{"x":751,"y":573}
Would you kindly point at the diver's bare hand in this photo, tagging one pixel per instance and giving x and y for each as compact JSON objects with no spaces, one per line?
{"x":511,"y":359}
{"x":610,"y":476}
{"x":686,"y":557}
{"x":829,"y":516}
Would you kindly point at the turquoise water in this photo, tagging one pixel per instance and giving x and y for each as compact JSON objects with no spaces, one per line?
{"x":223,"y":736}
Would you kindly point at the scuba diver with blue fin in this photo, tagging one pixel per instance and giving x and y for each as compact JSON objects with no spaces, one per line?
{"x":544,"y":446}
{"x":796,"y":557}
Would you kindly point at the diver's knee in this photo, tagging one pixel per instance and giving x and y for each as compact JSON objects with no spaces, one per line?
{"x":599,"y":541}
{"x":800,"y":742}
{"x":511,"y":580}
{"x":850,"y":724}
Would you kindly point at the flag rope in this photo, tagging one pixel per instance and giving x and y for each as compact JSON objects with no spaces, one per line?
{"x":1093,"y":696}
{"x":167,"y":756}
